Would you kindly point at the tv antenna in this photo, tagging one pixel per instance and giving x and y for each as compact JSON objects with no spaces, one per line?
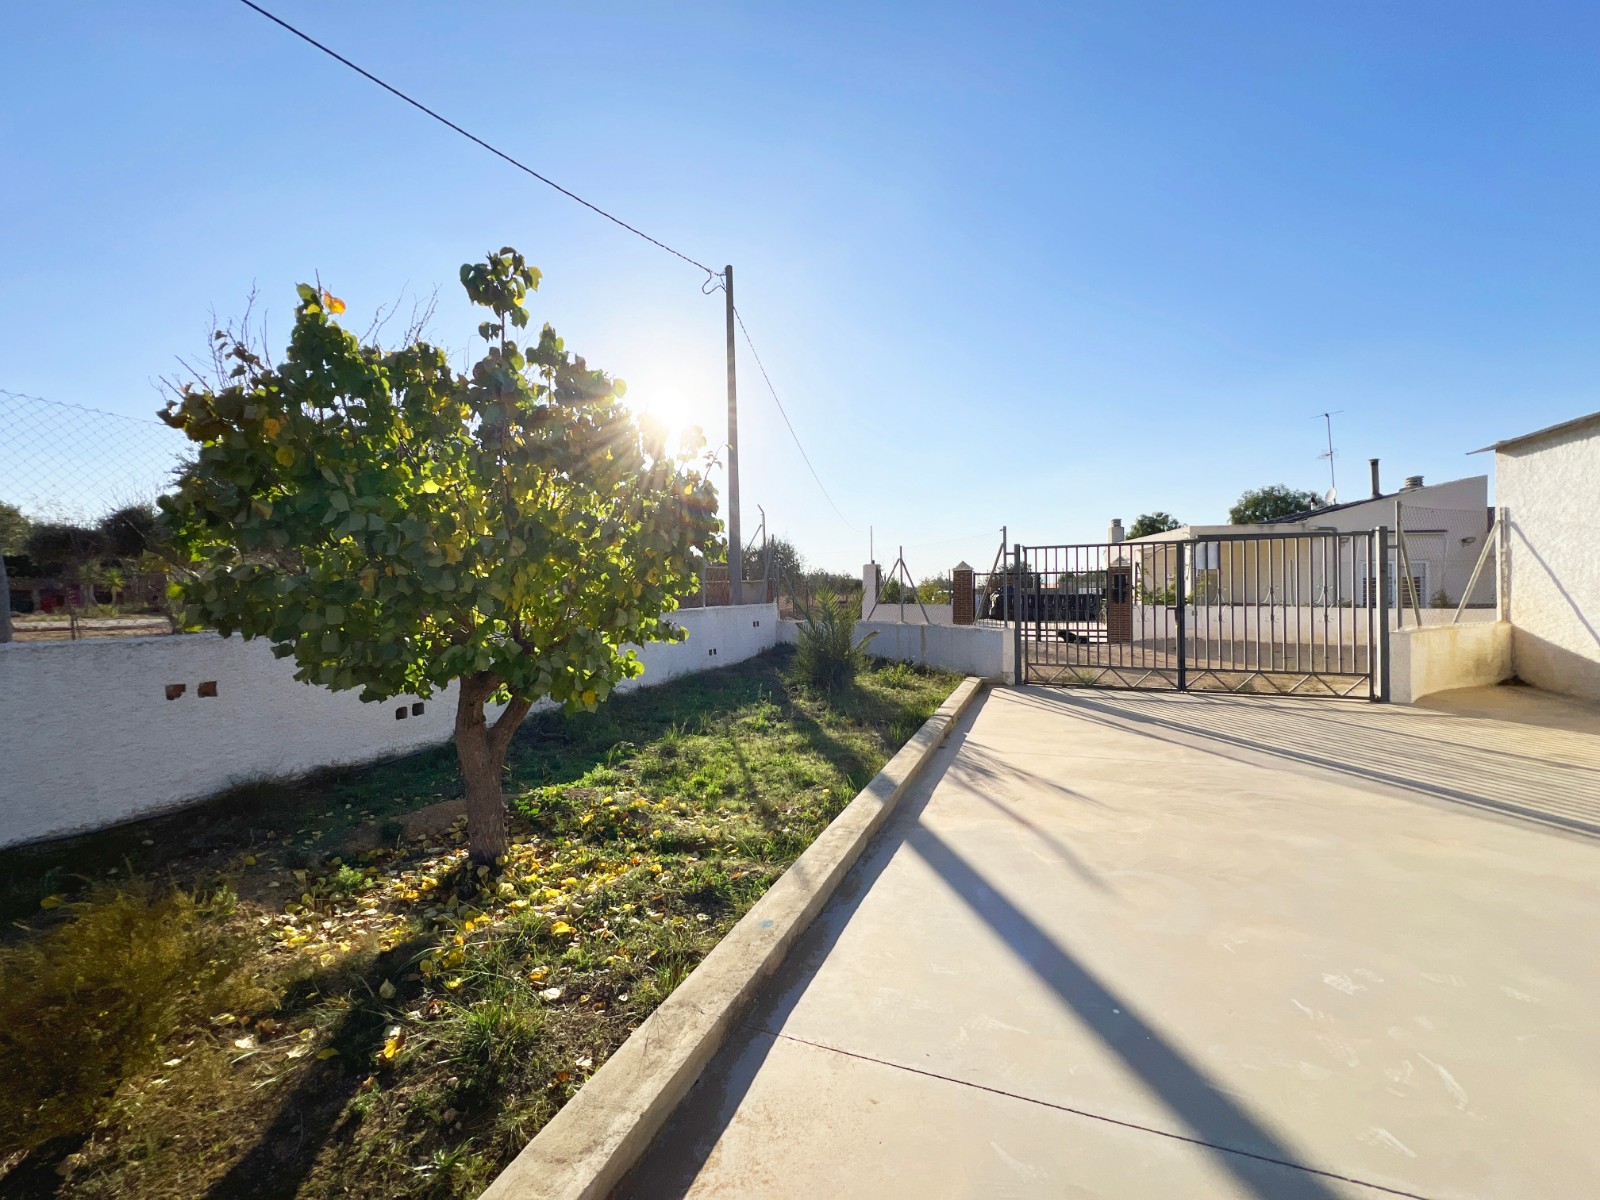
{"x":1333,"y":482}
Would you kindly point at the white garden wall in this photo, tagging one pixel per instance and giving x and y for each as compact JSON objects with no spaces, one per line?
{"x":1441,"y":657}
{"x":964,"y":649}
{"x":88,"y":737}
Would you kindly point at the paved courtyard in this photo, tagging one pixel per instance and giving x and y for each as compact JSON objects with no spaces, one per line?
{"x":1140,"y":945}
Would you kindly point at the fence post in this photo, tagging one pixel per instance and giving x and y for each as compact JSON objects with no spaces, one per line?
{"x":1502,"y":571}
{"x":1014,"y":610}
{"x":1381,"y":609}
{"x":5,"y":602}
{"x":1183,"y":663}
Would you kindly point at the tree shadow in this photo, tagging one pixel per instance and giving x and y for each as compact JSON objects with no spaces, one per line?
{"x":313,"y":1116}
{"x":1261,"y":1163}
{"x":1558,"y":797}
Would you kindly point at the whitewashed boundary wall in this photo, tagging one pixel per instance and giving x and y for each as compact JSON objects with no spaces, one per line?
{"x":1438,"y":658}
{"x":89,"y":736}
{"x":965,"y":649}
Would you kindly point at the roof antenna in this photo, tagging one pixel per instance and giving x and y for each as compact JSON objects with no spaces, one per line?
{"x":1333,"y":482}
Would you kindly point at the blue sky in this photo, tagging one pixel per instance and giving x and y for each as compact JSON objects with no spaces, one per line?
{"x":1033,"y":265}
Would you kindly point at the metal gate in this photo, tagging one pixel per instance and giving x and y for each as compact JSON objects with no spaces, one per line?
{"x":1273,"y":613}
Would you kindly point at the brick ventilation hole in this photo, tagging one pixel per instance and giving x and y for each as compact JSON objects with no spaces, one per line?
{"x":712,"y":653}
{"x":416,"y":709}
{"x":208,"y":688}
{"x":174,"y":690}
{"x":400,"y":713}
{"x":755,"y":624}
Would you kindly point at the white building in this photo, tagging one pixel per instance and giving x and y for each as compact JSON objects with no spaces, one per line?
{"x":1546,"y":483}
{"x":1445,"y":524}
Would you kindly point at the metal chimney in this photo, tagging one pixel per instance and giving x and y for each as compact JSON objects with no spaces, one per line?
{"x":1413,"y":482}
{"x":1376,"y":490}
{"x":1114,"y":534}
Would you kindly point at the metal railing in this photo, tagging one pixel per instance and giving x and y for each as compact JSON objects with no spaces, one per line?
{"x":1288,"y":614}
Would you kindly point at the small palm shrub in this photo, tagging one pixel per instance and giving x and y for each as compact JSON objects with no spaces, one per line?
{"x":827,"y":654}
{"x":90,"y":1002}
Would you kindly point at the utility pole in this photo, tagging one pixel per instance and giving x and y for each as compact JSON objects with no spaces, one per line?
{"x":735,"y":545}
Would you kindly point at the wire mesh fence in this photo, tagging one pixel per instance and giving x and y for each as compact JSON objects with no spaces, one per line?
{"x":64,"y":463}
{"x":1431,"y":567}
{"x":77,"y":515}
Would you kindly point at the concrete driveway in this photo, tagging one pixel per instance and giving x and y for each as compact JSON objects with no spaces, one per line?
{"x":1143,"y":945}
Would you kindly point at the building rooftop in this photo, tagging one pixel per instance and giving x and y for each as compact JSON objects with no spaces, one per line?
{"x":1562,"y":427}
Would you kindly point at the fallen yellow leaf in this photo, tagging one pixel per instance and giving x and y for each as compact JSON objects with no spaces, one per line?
{"x":561,"y":928}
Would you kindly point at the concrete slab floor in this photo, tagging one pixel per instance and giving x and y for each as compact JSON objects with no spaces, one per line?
{"x":1128,"y":945}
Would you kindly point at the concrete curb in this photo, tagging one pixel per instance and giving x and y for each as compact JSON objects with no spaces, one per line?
{"x":590,"y":1144}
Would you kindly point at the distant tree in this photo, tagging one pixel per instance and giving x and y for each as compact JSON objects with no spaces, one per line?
{"x":935,"y":589}
{"x":398,"y":527}
{"x":1271,"y":502}
{"x":1154,"y":522}
{"x":130,"y":532}
{"x":777,"y":559}
{"x":13,"y":529}
{"x":59,"y":549}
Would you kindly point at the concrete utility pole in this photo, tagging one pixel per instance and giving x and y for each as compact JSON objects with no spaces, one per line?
{"x":735,"y":545}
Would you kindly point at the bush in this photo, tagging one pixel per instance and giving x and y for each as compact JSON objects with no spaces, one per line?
{"x":828,"y":655}
{"x":90,"y":1002}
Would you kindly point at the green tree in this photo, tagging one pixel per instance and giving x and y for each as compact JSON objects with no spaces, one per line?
{"x":1268,"y":503}
{"x":1154,"y":522}
{"x":398,"y":527}
{"x":13,"y":529}
{"x":778,"y":559}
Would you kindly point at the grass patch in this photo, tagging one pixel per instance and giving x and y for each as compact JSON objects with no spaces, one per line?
{"x":390,"y":1021}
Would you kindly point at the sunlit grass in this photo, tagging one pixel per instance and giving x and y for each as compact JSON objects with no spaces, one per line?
{"x":418,"y":1019}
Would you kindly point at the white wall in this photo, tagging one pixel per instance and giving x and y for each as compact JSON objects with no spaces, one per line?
{"x":1548,"y":489}
{"x":88,"y":738}
{"x":979,"y":650}
{"x":911,"y":613}
{"x":1439,"y":658}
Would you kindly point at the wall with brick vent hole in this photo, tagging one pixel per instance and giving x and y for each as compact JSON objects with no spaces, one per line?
{"x":93,"y":733}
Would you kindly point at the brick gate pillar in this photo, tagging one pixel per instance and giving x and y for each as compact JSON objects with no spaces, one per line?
{"x":963,"y":604}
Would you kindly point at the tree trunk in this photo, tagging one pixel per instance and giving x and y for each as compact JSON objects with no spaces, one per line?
{"x":481,"y":748}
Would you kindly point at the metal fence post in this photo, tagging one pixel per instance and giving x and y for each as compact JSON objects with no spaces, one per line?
{"x":1183,"y":663}
{"x":1013,"y":595}
{"x":1381,"y":537}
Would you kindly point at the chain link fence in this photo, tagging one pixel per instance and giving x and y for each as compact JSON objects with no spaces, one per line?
{"x":78,"y":488}
{"x":64,"y":463}
{"x":1432,"y":563}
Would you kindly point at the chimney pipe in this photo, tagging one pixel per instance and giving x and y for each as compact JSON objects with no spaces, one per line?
{"x":1413,"y":482}
{"x":1114,"y":534}
{"x":1376,"y":490}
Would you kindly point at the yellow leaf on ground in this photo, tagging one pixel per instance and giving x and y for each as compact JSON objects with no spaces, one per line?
{"x":327,"y":1053}
{"x":561,"y":928}
{"x":50,"y":902}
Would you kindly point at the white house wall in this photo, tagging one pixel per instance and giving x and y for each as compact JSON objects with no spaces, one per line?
{"x":89,"y":739}
{"x":1547,"y":489}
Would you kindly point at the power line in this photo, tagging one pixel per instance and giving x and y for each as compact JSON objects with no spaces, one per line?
{"x":711,"y":276}
{"x":472,"y":137}
{"x":774,"y":391}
